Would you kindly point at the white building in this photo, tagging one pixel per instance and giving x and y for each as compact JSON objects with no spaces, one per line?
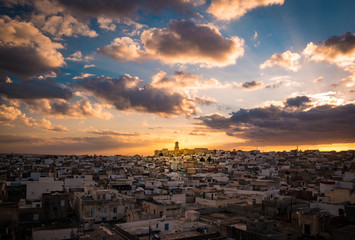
{"x":35,"y":189}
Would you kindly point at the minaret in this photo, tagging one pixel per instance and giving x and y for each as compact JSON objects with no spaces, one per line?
{"x":176,"y":150}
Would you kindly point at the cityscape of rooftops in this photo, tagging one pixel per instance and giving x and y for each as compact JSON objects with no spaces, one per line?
{"x":177,"y":119}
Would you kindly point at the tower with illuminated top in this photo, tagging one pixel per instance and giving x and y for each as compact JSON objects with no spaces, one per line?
{"x":176,"y":150}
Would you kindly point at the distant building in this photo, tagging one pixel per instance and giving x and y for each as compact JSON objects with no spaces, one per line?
{"x":178,"y":152}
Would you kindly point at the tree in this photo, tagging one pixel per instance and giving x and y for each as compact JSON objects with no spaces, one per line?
{"x":209,"y":159}
{"x":202,"y":159}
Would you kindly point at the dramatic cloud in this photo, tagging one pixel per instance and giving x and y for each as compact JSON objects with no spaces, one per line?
{"x":234,"y":9}
{"x":338,"y":50}
{"x":10,"y":115}
{"x":128,"y":93}
{"x":84,"y":75}
{"x":289,"y":124}
{"x":252,"y":85}
{"x":68,"y":109}
{"x":25,"y":51}
{"x":35,"y":89}
{"x":182,"y":80}
{"x":287,"y":60}
{"x":106,"y":23}
{"x":297,"y":101}
{"x":89,"y":65}
{"x":181,"y":42}
{"x":66,"y":25}
{"x":78,"y":57}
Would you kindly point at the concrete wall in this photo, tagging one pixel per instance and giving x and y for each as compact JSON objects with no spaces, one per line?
{"x":332,"y":209}
{"x":340,"y":195}
{"x":34,"y":190}
{"x":54,"y":234}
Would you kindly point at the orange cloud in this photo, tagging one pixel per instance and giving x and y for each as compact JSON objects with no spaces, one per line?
{"x":287,"y":60}
{"x":234,"y":9}
{"x":25,"y":51}
{"x":68,"y":109}
{"x":10,"y":115}
{"x":182,"y":42}
{"x":128,"y":93}
{"x":183,"y":80}
{"x":337,"y":50}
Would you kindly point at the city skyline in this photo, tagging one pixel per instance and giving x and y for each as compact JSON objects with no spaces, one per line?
{"x":116,"y":77}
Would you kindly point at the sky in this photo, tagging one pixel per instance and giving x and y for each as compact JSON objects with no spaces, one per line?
{"x":127,"y":77}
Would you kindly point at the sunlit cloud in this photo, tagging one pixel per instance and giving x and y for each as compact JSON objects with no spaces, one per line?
{"x":60,"y":108}
{"x":84,"y":75}
{"x":337,"y":50}
{"x":11,"y":115}
{"x":128,"y":93}
{"x":89,"y":65}
{"x":180,"y":80}
{"x":318,"y":79}
{"x":182,"y":42}
{"x":25,"y":51}
{"x":298,"y":121}
{"x":78,"y":57}
{"x":287,"y":60}
{"x":234,"y":9}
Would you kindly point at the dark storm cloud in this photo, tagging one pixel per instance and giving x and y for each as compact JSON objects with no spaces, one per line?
{"x":23,"y":61}
{"x":35,"y":89}
{"x":252,"y":85}
{"x":273,"y":125}
{"x":127,"y":93}
{"x":297,"y":101}
{"x":343,"y":43}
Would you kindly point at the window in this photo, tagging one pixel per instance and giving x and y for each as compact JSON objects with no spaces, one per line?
{"x":157,"y":225}
{"x":105,"y":209}
{"x":93,"y":212}
{"x":35,"y":217}
{"x":166,"y":227}
{"x":115,"y":210}
{"x":62,"y":203}
{"x":307,"y":229}
{"x":98,"y":197}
